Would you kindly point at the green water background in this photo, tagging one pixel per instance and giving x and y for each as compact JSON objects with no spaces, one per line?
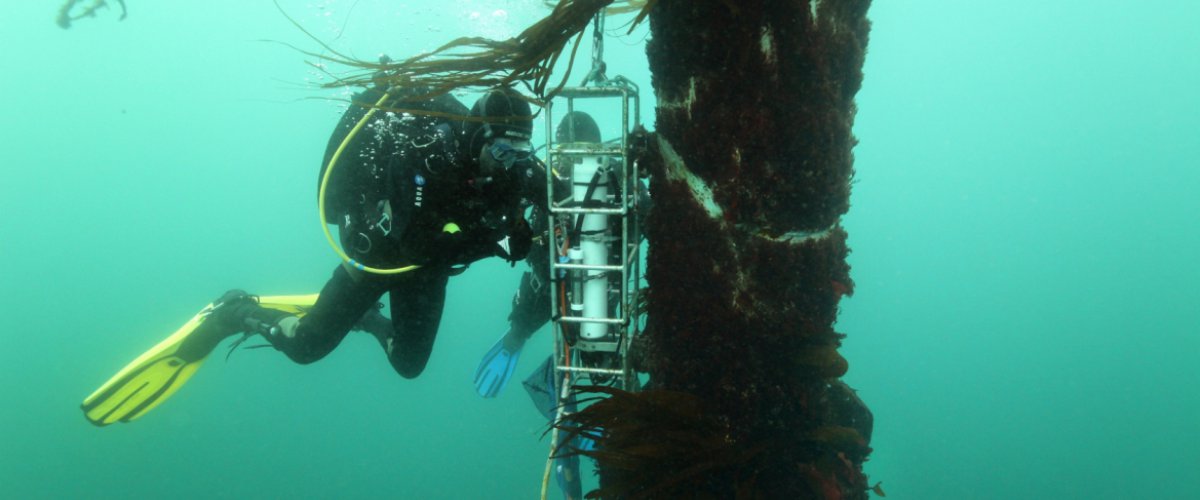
{"x":1024,"y":226}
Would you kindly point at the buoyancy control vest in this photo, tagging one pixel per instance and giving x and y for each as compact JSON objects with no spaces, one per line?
{"x":379,"y":194}
{"x":403,"y":192}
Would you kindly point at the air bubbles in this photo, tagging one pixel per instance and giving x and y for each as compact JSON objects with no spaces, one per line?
{"x":489,"y":23}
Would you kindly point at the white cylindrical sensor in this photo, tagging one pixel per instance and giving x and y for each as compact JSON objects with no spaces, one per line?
{"x":593,"y":243}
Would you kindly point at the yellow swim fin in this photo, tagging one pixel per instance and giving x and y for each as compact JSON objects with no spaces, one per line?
{"x":158,"y":373}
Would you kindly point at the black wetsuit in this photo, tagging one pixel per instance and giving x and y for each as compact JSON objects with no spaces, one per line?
{"x":401,"y":194}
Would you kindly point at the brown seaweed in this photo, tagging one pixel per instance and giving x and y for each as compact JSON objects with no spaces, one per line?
{"x":475,"y":62}
{"x":672,"y":444}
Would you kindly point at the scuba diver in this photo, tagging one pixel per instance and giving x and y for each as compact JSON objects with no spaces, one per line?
{"x":420,"y":191}
{"x":531,"y":309}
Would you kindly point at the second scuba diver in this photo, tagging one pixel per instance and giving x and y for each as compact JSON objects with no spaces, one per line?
{"x":531,"y":302}
{"x":531,"y":310}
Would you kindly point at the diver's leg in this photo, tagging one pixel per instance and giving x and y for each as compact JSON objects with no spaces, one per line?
{"x":530,"y":309}
{"x":234,"y":312}
{"x":375,"y":323}
{"x":342,"y":302}
{"x":417,"y":299}
{"x":500,"y":361}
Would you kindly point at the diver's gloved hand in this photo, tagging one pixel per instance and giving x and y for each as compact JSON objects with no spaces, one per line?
{"x":514,"y":246}
{"x":498,"y":365}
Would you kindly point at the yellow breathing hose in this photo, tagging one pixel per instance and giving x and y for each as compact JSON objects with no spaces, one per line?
{"x":566,"y":384}
{"x":325,"y":183}
{"x":549,"y":465}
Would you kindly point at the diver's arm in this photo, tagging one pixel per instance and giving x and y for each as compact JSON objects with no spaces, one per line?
{"x":533,"y":185}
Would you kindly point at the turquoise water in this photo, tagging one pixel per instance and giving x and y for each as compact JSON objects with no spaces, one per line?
{"x":1024,"y":232}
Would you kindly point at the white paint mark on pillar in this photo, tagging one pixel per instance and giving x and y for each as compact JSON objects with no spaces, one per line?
{"x":799,"y":237}
{"x":676,"y":170}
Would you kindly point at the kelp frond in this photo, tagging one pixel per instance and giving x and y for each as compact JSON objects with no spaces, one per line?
{"x":66,"y":14}
{"x":642,"y":7}
{"x":618,"y":8}
{"x":669,"y":444}
{"x":651,"y":443}
{"x":475,"y":62}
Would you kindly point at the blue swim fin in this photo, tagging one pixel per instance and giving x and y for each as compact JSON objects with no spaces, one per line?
{"x":495,"y":369}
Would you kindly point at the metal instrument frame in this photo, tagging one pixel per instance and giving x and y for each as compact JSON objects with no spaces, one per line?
{"x":624,"y":326}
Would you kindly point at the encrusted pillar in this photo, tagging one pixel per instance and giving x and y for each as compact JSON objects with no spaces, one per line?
{"x":751,"y":166}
